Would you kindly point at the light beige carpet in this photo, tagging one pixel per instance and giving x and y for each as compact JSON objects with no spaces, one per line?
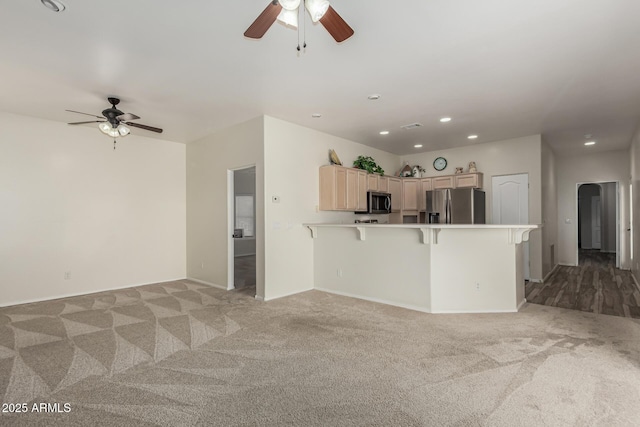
{"x":184,"y":354}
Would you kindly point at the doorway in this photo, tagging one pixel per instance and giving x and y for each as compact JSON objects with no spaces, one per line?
{"x":242,"y":223}
{"x":510,"y":205}
{"x":598,"y":222}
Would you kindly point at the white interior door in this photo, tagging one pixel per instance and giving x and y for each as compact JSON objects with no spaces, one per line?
{"x":510,"y":205}
{"x":595,"y":223}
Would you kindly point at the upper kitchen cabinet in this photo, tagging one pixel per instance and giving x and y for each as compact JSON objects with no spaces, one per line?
{"x":468,"y":180}
{"x":383,"y":184}
{"x":395,"y":189}
{"x":426,"y":184}
{"x":410,"y":190}
{"x":373,"y":182}
{"x":442,"y":182}
{"x":342,"y":189}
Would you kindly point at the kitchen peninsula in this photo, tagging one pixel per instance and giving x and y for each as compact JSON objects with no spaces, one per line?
{"x":435,"y":268}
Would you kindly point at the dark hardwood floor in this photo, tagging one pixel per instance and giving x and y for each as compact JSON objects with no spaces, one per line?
{"x":244,"y":271}
{"x":595,"y":285}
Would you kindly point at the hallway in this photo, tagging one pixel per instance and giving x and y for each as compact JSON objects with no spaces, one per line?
{"x":596,"y":286}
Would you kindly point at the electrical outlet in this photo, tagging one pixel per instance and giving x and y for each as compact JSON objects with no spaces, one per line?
{"x":477,"y":286}
{"x":67,"y":275}
{"x":339,"y":272}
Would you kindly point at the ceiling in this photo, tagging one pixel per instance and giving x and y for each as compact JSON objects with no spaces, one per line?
{"x":501,"y":69}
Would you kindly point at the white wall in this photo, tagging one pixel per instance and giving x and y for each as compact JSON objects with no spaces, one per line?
{"x":70,"y":203}
{"x":391,"y":266}
{"x":549,"y":204}
{"x":293,"y":155}
{"x":606,"y":166}
{"x":513,"y":156}
{"x":208,"y":235}
{"x":634,"y":223}
{"x":608,"y":220}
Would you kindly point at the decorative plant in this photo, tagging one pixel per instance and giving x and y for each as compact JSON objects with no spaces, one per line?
{"x":367,"y":163}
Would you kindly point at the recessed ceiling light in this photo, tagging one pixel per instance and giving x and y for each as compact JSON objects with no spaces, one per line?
{"x":590,"y":143}
{"x":53,"y":5}
{"x":418,"y":146}
{"x":316,"y":115}
{"x":373,"y":97}
{"x":384,"y":132}
{"x":473,"y":137}
{"x":445,"y":119}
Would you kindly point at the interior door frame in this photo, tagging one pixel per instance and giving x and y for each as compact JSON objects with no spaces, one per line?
{"x":231,"y":223}
{"x":577,"y":229}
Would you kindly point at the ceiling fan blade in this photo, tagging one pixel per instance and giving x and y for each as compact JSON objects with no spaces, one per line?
{"x":86,"y":114}
{"x":127,"y":116}
{"x":145,"y":127}
{"x":264,"y":21}
{"x":82,"y":123}
{"x":336,"y":26}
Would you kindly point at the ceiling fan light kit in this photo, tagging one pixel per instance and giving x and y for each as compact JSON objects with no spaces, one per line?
{"x":317,"y":8}
{"x":120,"y":130}
{"x":289,"y":17}
{"x":287,"y":12}
{"x":289,"y":4}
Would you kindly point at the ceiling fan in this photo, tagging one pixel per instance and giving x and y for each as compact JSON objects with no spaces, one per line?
{"x":114,"y":122}
{"x":287,"y":11}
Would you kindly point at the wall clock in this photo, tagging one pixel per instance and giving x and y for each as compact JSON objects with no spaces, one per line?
{"x":440,"y":163}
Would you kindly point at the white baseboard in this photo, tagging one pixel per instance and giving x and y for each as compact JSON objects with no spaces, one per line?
{"x":415,"y":307}
{"x":89,"y":292}
{"x":536,"y":280}
{"x":287,"y":294}
{"x":378,"y":300}
{"x":550,"y":273}
{"x":213,"y":285}
{"x":259,"y":298}
{"x":474,"y":311}
{"x":523,"y":302}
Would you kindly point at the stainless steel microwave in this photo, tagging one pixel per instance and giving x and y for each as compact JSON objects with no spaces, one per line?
{"x":378,"y":203}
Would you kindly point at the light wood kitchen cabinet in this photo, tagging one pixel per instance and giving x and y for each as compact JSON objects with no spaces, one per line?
{"x":361,"y":204}
{"x":383,"y":184}
{"x":352,"y":190}
{"x":342,"y":189}
{"x":373,"y":182}
{"x":425,"y":185}
{"x":410,"y":187}
{"x":442,"y":182}
{"x":395,"y":189}
{"x":468,"y":180}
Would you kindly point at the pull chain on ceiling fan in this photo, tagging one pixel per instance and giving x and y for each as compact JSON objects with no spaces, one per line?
{"x":287,"y":11}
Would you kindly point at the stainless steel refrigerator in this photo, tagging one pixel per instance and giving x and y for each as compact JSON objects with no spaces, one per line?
{"x":455,"y":206}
